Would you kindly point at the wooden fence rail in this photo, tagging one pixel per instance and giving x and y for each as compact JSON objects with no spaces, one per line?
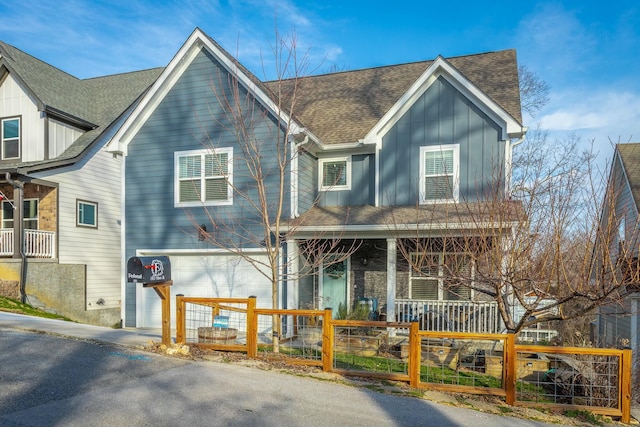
{"x":597,"y":380}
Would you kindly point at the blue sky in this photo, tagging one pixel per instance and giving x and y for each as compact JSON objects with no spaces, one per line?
{"x":587,"y":51}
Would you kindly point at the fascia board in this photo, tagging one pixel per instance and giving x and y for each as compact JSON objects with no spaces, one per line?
{"x":397,"y":229}
{"x":439,"y":67}
{"x":169,"y":77}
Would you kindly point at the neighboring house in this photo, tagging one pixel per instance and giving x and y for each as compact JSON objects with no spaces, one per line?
{"x":381,"y":154}
{"x":55,"y":175}
{"x":617,"y":323}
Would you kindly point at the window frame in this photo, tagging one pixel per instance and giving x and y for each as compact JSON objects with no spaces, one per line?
{"x":455,"y":173}
{"x":439,"y":274}
{"x":3,"y":220}
{"x":346,"y":186}
{"x":4,"y":140}
{"x":202,"y":153}
{"x":95,"y":215}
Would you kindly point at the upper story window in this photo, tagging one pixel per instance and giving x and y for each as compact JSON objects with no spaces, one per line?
{"x":87,"y":214}
{"x":439,"y":173}
{"x":335,"y":174}
{"x":10,"y":135}
{"x":30,"y":210}
{"x":204,"y":177}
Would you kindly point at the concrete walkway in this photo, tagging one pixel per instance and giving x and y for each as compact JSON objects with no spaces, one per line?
{"x":125,"y":337}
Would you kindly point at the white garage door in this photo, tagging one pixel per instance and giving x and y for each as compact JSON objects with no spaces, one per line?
{"x":210,"y":275}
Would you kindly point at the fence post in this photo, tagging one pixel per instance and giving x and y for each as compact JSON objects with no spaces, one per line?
{"x":252,"y":328}
{"x":180,"y":320}
{"x":509,"y":369}
{"x":414,"y":354}
{"x":625,"y":385}
{"x":327,"y":340}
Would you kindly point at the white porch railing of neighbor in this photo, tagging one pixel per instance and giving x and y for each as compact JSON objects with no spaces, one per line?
{"x":37,"y":243}
{"x":450,"y":315}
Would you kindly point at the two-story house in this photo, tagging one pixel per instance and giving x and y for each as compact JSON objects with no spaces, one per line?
{"x":377,"y":156}
{"x":61,"y":192}
{"x":616,"y":267}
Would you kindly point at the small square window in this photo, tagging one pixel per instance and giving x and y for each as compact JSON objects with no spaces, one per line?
{"x":335,"y":174}
{"x":87,"y":215}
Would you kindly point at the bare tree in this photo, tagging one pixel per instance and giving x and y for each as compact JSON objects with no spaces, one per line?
{"x":260,"y":173}
{"x":534,"y":92}
{"x":532,"y":250}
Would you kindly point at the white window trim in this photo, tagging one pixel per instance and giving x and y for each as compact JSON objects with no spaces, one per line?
{"x":25,"y":219}
{"x":456,"y":172}
{"x":440,"y":277}
{"x":176,"y":178}
{"x":86,"y":202}
{"x":321,"y":163}
{"x":2,"y":138}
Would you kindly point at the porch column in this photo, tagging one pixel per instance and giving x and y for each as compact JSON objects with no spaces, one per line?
{"x":391,"y":280}
{"x":18,"y":215}
{"x":293,"y":273}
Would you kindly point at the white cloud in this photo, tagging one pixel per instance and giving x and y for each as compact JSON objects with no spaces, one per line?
{"x":586,"y":109}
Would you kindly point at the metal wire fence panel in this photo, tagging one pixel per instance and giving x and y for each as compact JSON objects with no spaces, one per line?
{"x":594,"y":379}
{"x":290,"y":336}
{"x":467,"y":360}
{"x":210,"y":322}
{"x":546,"y":377}
{"x":374,"y":349}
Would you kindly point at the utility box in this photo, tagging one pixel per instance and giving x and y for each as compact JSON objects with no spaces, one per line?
{"x":148,"y":269}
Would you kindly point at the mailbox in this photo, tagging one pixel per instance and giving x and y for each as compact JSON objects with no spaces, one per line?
{"x":148,"y":269}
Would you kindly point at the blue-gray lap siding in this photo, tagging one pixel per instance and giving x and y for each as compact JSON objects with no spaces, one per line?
{"x":191,"y":117}
{"x":615,"y":319}
{"x":441,"y":116}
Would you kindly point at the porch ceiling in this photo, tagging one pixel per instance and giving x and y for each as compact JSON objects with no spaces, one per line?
{"x":399,"y":221}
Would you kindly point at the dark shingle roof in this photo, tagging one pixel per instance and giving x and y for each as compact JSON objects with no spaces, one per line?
{"x":98,"y":101}
{"x":345,"y":106}
{"x":630,"y":155}
{"x":390,"y":217}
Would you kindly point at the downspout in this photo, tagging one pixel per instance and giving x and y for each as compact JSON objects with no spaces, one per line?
{"x":512,"y":145}
{"x":18,"y":232}
{"x":295,"y":175}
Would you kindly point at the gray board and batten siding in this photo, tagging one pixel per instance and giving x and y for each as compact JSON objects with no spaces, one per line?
{"x":362,"y":191}
{"x":441,"y":116}
{"x":191,"y":117}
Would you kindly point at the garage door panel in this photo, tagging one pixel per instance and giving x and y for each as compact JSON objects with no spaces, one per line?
{"x":214,"y":276}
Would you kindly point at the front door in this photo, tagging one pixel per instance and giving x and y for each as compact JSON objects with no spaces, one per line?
{"x":333,"y":285}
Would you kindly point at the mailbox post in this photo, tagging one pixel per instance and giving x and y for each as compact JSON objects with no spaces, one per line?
{"x":154,"y":272}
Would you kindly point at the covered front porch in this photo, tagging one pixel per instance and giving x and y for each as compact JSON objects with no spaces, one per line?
{"x":29,"y":218}
{"x":409,"y":263}
{"x":37,"y":243}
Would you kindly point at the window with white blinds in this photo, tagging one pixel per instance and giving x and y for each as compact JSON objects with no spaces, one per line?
{"x":440,"y":276}
{"x":204,"y":177}
{"x":335,"y":174}
{"x":439,"y":173}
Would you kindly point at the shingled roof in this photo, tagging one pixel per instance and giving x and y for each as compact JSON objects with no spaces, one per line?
{"x":630,"y":156}
{"x":344,"y":107}
{"x":369,"y":218}
{"x":98,"y":102}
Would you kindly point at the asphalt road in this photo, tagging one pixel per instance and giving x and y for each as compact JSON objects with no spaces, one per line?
{"x":48,"y":380}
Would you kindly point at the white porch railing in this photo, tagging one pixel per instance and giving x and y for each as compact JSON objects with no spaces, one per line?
{"x":37,"y":243}
{"x":450,"y":315}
